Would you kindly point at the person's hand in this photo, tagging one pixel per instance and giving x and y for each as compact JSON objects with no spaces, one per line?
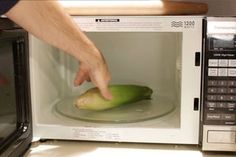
{"x":61,"y":31}
{"x":96,"y":73}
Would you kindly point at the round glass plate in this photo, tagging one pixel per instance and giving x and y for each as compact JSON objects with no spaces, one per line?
{"x":135,"y":112}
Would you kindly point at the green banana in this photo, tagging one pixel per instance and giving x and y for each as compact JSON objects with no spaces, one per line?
{"x":121,"y":94}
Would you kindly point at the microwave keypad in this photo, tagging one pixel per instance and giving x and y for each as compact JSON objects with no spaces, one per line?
{"x":221,"y":101}
{"x":222,"y":67}
{"x":220,"y":92}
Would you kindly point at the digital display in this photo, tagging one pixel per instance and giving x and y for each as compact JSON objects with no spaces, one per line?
{"x":223,"y":43}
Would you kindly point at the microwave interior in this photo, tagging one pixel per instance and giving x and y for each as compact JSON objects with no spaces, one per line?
{"x":150,"y":59}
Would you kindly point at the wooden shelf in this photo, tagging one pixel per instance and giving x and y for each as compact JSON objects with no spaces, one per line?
{"x":134,"y":8}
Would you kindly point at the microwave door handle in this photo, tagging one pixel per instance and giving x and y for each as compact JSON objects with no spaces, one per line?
{"x":20,"y":80}
{"x":25,"y":85}
{"x":197,"y":58}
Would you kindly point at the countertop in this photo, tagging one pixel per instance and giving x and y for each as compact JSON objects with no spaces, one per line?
{"x":56,"y":148}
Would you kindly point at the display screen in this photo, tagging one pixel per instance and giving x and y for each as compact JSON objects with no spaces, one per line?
{"x":8,"y":114}
{"x":217,"y":43}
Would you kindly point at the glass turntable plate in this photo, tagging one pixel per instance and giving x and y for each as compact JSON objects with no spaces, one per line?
{"x":135,"y":112}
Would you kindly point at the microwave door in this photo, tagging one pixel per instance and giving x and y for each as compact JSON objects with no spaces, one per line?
{"x":8,"y":113}
{"x":15,"y":132}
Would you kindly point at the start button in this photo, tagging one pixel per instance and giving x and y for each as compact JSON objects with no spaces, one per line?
{"x":227,"y":137}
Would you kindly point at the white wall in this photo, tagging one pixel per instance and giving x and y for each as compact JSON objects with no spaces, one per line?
{"x":219,"y":7}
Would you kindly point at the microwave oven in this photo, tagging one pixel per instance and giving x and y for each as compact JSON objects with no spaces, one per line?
{"x":188,"y":61}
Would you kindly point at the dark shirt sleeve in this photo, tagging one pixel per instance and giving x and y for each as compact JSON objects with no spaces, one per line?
{"x":6,"y":5}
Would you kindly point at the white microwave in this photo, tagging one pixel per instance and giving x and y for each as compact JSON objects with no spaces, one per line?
{"x":188,"y":61}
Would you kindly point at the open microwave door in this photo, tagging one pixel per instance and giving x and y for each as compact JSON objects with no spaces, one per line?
{"x":15,"y":110}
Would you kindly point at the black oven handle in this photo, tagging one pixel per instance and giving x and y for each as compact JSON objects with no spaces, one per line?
{"x":21,"y":82}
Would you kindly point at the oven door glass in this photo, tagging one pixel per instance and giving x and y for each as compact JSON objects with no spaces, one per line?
{"x":8,"y":113}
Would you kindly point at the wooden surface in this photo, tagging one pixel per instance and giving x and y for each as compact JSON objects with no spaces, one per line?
{"x":134,"y":8}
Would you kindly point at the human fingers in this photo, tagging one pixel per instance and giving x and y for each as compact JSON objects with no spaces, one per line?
{"x":81,"y":76}
{"x":106,"y":93}
{"x":101,"y":80}
{"x":102,"y":85}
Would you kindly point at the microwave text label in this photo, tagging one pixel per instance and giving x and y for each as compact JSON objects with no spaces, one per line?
{"x":107,"y":20}
{"x":183,"y":24}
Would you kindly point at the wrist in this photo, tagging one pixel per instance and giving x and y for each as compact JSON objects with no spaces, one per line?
{"x":87,"y":53}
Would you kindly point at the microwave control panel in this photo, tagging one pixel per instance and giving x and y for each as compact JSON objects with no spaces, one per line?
{"x":219,"y":95}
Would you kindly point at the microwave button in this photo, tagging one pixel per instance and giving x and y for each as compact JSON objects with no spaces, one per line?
{"x":221,"y":105}
{"x":213,"y":63}
{"x":211,"y":104}
{"x":232,"y":90}
{"x":228,"y":117}
{"x":211,"y":97}
{"x":222,"y":72}
{"x":222,"y":83}
{"x":231,"y":105}
{"x":221,"y":137}
{"x":232,"y":72}
{"x":222,"y":90}
{"x":232,"y":62}
{"x":213,"y":116}
{"x":231,"y":83}
{"x":231,"y":98}
{"x":222,"y":97}
{"x":223,"y":62}
{"x":212,"y":90}
{"x":212,"y":72}
{"x":212,"y":83}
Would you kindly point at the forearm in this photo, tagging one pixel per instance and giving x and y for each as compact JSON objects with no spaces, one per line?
{"x":54,"y":26}
{"x":48,"y":21}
